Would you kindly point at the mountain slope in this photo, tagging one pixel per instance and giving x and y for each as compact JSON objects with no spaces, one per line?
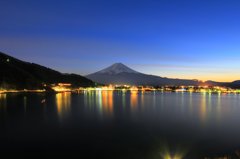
{"x":116,"y":69}
{"x":121,"y":74}
{"x":19,"y":75}
{"x":234,"y":84}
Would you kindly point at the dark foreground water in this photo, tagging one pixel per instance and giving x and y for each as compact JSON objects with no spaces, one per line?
{"x":126,"y":125}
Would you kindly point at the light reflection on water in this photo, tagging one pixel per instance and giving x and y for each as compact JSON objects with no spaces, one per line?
{"x":219,"y":106}
{"x":156,"y":114}
{"x":134,"y":100}
{"x":203,"y":108}
{"x":3,"y":99}
{"x":107,"y":98}
{"x":25,"y":104}
{"x":102,"y":101}
{"x":63,"y":102}
{"x":99,"y":101}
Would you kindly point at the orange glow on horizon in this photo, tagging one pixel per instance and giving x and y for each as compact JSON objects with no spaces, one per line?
{"x":217,"y":78}
{"x":225,"y":76}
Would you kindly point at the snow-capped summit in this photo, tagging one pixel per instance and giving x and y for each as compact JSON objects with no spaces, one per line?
{"x":116,"y":69}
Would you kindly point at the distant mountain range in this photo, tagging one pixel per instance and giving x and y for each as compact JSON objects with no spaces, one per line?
{"x":17,"y":74}
{"x":120,"y":74}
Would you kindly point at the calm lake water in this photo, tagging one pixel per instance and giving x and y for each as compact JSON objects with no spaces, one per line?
{"x":115,"y":124}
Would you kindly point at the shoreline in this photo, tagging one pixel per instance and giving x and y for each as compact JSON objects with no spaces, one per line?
{"x":122,"y":90}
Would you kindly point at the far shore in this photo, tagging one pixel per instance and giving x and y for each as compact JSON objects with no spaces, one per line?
{"x":207,"y":90}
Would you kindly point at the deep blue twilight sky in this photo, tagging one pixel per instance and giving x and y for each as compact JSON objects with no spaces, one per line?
{"x":195,"y":39}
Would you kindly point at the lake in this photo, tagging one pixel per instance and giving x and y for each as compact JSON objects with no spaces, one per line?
{"x":122,"y":125}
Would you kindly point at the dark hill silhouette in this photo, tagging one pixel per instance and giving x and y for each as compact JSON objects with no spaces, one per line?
{"x":18,"y":74}
{"x":234,"y":84}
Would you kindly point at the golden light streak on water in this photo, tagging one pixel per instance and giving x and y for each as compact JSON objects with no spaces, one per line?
{"x":3,"y":101}
{"x":107,"y":102}
{"x":3,"y":97}
{"x":110,"y":100}
{"x":63,"y":101}
{"x":134,"y":99}
{"x":104,"y":98}
{"x":203,"y":108}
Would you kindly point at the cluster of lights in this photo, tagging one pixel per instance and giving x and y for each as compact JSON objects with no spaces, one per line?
{"x":120,"y":88}
{"x":62,"y":87}
{"x":66,"y":87}
{"x":198,"y":89}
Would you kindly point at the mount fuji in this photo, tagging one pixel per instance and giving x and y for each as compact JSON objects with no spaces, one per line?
{"x":116,"y":68}
{"x":119,"y":73}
